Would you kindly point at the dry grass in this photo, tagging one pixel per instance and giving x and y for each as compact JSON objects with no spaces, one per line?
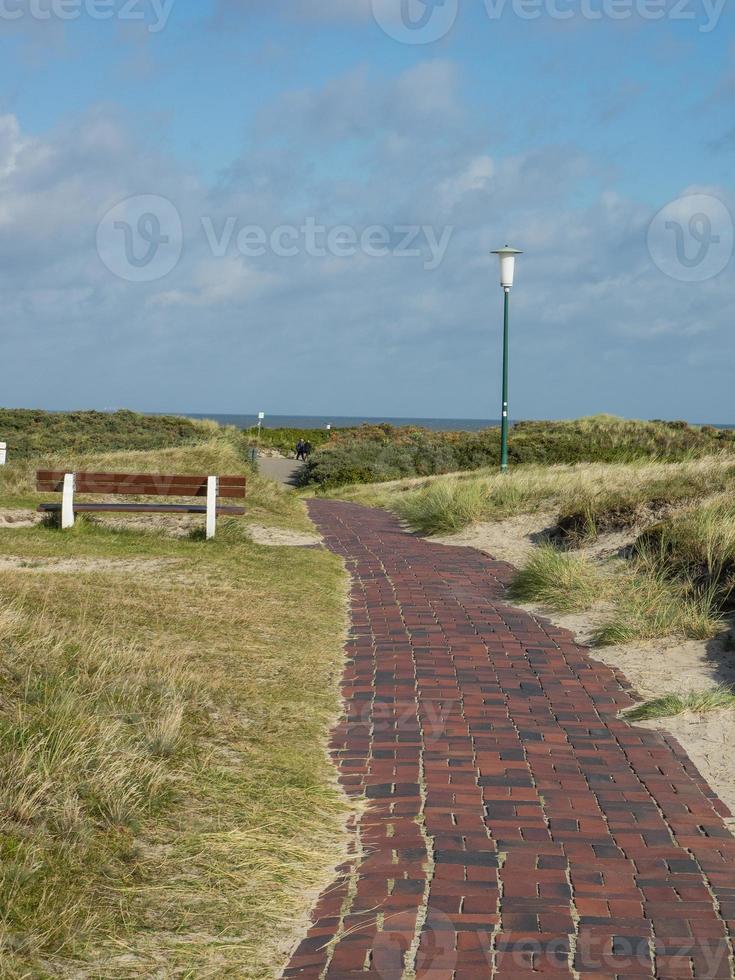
{"x":166,"y":805}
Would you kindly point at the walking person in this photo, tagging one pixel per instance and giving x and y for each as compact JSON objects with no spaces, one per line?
{"x":300,"y":450}
{"x":307,"y":450}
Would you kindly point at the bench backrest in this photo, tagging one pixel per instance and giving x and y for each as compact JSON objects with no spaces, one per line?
{"x":135,"y":484}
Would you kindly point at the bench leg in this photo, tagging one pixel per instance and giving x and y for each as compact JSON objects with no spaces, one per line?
{"x":67,"y":501}
{"x":212,"y":493}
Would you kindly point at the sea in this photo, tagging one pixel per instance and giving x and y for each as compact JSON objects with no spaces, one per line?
{"x":345,"y":422}
{"x":348,"y":422}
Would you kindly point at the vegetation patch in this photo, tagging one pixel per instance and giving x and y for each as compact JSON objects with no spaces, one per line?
{"x":698,"y":702}
{"x":561,"y":580}
{"x":166,"y":803}
{"x":30,"y":432}
{"x":377,"y":453}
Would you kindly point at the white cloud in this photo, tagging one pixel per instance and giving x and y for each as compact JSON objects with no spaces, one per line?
{"x":304,"y":331}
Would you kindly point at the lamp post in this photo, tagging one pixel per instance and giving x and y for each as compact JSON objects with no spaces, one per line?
{"x":507,"y":258}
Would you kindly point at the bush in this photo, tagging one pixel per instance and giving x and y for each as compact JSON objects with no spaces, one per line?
{"x":374,"y":453}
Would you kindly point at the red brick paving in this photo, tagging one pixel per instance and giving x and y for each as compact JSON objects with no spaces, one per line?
{"x":516,"y":827}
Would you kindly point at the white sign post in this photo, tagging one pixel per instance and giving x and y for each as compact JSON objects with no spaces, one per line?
{"x":261,"y":416}
{"x":3,"y":453}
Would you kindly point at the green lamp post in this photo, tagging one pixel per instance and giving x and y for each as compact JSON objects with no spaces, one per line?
{"x":507,"y":258}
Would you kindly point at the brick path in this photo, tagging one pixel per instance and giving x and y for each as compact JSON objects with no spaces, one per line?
{"x":516,"y":827}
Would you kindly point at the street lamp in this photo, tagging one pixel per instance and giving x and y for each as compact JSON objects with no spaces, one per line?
{"x":507,"y":258}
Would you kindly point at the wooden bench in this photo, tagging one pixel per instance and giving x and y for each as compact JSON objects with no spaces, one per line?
{"x":140,"y":484}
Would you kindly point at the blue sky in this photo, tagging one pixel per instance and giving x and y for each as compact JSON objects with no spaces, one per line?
{"x":597,"y":135}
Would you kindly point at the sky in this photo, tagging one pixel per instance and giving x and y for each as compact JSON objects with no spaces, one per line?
{"x":289,"y":206}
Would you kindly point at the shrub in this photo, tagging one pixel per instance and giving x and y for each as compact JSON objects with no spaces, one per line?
{"x":371,"y":453}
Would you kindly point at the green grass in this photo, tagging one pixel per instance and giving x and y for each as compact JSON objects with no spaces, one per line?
{"x":652,"y":603}
{"x":697,"y":702}
{"x":560,"y":580}
{"x":30,"y":432}
{"x":698,"y":542}
{"x":445,"y":506}
{"x":166,"y":804}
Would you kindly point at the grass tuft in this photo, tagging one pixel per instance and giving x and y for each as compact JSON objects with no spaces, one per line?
{"x":698,"y":702}
{"x":652,"y":604}
{"x":560,"y":580}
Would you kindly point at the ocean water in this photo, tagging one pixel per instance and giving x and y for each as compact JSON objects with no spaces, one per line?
{"x":345,"y":422}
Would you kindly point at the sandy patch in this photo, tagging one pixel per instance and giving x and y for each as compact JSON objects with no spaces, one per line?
{"x":653,"y":667}
{"x":19,"y":518}
{"x":60,"y":565}
{"x":511,"y":540}
{"x":708,"y":740}
{"x":281,"y":537}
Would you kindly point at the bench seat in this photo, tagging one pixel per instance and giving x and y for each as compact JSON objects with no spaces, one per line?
{"x":137,"y":485}
{"x":222,"y":511}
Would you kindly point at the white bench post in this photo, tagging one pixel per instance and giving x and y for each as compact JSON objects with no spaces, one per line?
{"x":67,"y":501}
{"x":212,"y":494}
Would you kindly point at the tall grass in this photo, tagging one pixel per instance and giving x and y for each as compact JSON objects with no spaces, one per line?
{"x":588,"y":497}
{"x":653,"y":603}
{"x":560,"y":580}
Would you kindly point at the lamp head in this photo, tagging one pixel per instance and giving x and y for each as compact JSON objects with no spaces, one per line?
{"x":507,"y":258}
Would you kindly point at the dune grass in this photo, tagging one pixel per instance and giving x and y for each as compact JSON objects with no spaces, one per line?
{"x":589,"y":497}
{"x":560,"y":580}
{"x":166,"y":804}
{"x":650,"y":605}
{"x":646,"y":599}
{"x":698,"y":702}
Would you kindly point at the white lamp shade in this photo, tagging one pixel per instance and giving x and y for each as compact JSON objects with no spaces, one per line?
{"x":507,"y":258}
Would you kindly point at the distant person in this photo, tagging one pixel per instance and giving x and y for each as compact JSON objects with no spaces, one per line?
{"x":307,"y":450}
{"x":300,"y":450}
